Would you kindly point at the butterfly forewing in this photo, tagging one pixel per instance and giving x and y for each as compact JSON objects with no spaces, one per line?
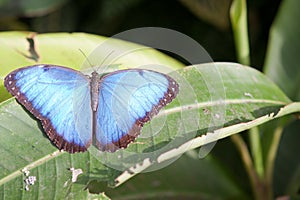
{"x":60,"y":98}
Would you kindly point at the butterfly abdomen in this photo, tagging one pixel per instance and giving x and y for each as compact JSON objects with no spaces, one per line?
{"x":95,"y":81}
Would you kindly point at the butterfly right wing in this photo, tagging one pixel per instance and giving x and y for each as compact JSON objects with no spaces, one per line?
{"x":127,"y":100}
{"x":60,"y":98}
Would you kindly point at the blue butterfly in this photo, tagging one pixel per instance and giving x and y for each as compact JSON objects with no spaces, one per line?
{"x":76,"y":110}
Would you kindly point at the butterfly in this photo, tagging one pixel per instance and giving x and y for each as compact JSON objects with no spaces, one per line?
{"x":77,"y":110}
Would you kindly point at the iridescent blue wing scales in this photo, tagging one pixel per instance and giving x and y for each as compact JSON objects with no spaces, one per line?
{"x":60,"y":98}
{"x":127,"y":100}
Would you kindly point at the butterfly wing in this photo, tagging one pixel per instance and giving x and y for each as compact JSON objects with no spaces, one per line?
{"x":127,"y":100}
{"x":60,"y":98}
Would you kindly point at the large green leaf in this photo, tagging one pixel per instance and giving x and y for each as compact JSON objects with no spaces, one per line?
{"x":188,"y":178}
{"x":282,"y":66}
{"x":241,"y":96}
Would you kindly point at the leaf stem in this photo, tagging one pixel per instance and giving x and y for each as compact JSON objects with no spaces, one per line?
{"x":238,"y":16}
{"x":256,"y":184}
{"x":271,"y":159}
{"x":256,"y":151}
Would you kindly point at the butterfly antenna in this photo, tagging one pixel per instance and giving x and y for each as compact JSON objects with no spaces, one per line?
{"x":106,"y":57}
{"x":86,"y":58}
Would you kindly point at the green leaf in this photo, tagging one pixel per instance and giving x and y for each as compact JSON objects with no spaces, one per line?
{"x":287,"y":165}
{"x":282,"y":60}
{"x":188,"y":178}
{"x":241,"y":96}
{"x":281,"y":65}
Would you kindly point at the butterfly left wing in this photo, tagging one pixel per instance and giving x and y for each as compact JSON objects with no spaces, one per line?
{"x":127,"y":100}
{"x":60,"y":98}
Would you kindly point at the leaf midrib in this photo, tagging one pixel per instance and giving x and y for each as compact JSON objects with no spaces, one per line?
{"x":32,"y":165}
{"x":196,"y":106}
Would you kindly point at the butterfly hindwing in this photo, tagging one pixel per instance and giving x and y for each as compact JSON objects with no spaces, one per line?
{"x":60,"y":98}
{"x":127,"y":100}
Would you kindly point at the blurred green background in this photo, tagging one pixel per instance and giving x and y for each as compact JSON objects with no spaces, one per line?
{"x":206,"y":21}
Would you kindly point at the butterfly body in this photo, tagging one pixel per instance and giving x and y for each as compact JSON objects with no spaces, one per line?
{"x":76,"y":109}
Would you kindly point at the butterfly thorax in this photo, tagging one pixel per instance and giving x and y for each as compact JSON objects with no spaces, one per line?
{"x":95,"y":80}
